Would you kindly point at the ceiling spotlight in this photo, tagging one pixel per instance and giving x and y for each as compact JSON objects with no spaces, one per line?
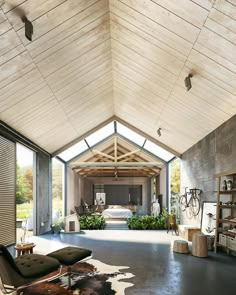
{"x":187,"y":82}
{"x":28,"y":28}
{"x":159,"y":132}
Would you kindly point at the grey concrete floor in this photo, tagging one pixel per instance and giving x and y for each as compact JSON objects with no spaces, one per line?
{"x":149,"y":256}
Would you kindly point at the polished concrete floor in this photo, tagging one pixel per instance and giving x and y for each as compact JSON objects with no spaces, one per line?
{"x":157,"y":270}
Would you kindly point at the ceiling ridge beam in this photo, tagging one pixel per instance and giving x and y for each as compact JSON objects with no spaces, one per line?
{"x":113,"y":164}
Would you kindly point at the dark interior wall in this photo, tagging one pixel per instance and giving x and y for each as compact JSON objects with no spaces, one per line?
{"x":123,"y":194}
{"x":215,"y":153}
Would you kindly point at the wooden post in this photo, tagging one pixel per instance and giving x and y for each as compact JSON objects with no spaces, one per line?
{"x":217,"y":213}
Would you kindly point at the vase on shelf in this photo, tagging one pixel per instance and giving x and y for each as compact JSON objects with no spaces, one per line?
{"x":224,"y":186}
{"x":229,"y":185}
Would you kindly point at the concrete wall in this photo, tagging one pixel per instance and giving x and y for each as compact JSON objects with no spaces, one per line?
{"x":43,"y":202}
{"x":215,"y":153}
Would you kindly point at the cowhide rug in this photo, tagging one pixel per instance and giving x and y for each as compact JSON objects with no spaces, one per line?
{"x":93,"y":278}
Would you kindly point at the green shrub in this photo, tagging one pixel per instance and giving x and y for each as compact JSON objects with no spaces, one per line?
{"x":148,"y":222}
{"x":92,"y":222}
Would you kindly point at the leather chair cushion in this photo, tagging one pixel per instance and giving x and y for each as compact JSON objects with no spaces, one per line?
{"x":35,"y":265}
{"x":70,"y":255}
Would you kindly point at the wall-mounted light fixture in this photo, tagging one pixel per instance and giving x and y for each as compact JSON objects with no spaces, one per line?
{"x":187,"y":82}
{"x":159,"y":132}
{"x":29,"y":30}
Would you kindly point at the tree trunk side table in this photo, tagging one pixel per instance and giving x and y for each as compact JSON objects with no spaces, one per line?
{"x":22,"y":249}
{"x":199,"y":245}
{"x":180,"y":246}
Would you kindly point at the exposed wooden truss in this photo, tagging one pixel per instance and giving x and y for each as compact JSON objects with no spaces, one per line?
{"x":116,"y":158}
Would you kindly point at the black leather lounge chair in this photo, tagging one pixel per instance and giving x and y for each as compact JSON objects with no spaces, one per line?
{"x":18,"y":273}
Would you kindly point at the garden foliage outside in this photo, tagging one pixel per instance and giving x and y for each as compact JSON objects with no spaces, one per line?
{"x":148,"y":222}
{"x":24,"y":195}
{"x":92,"y":222}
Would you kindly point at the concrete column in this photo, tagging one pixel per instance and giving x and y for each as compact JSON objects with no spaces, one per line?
{"x":43,"y":201}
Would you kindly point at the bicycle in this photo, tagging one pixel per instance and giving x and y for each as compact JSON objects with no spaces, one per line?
{"x":193,"y":203}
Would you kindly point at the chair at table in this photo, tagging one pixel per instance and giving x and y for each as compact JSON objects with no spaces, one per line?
{"x":171,"y":224}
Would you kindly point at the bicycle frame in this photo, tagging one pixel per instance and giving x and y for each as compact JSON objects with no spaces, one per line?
{"x":193,"y":203}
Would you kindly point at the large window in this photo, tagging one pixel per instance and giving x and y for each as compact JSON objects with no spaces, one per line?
{"x":115,"y":128}
{"x":175,"y":187}
{"x":57,"y":189}
{"x":24,"y":192}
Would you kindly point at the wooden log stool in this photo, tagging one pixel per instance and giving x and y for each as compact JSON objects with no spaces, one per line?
{"x":199,"y":245}
{"x":180,"y":246}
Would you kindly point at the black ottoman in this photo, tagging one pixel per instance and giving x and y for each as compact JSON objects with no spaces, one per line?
{"x":70,"y":255}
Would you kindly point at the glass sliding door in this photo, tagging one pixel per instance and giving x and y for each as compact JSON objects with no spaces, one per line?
{"x":174,"y":167}
{"x":24,"y":193}
{"x":58,"y":185}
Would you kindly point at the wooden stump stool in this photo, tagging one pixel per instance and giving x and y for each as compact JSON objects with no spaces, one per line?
{"x":180,"y":246}
{"x":199,"y":245}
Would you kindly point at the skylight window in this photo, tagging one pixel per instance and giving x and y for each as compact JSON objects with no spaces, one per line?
{"x":129,"y":134}
{"x":108,"y":130}
{"x":100,"y":134}
{"x":73,"y":151}
{"x":158,"y":151}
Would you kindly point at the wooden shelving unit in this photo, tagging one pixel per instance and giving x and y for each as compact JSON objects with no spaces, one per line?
{"x":230,"y":195}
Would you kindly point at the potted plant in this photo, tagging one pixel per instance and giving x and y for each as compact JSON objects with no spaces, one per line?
{"x":57,"y":225}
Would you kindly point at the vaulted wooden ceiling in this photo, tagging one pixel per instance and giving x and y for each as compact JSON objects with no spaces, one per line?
{"x":91,"y":60}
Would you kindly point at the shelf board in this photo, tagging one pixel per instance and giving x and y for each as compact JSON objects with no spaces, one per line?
{"x":227,"y":192}
{"x":227,"y":173}
{"x":228,"y":206}
{"x":229,"y":233}
{"x":227,"y":221}
{"x":218,"y":244}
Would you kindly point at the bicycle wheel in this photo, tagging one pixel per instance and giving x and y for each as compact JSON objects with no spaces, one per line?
{"x":194,"y":206}
{"x":182,"y":203}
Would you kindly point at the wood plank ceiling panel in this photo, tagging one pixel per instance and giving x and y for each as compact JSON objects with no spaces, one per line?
{"x":93,"y":59}
{"x":43,"y":82}
{"x":207,"y":4}
{"x":196,"y":43}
